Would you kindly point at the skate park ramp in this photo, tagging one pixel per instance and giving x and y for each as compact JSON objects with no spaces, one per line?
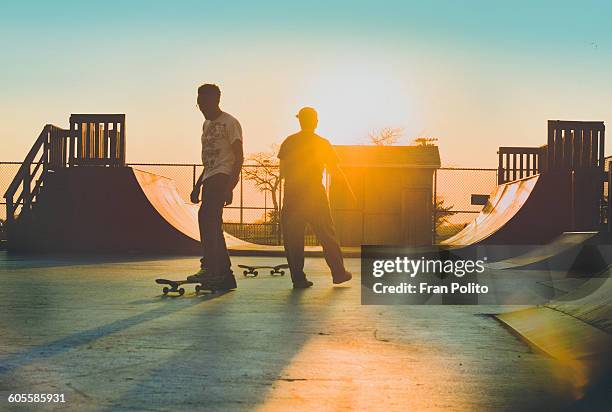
{"x":528,"y":211}
{"x":118,"y":210}
{"x":567,"y":251}
{"x":503,"y":204}
{"x":576,"y":329}
{"x":162,"y":195}
{"x":591,"y":302}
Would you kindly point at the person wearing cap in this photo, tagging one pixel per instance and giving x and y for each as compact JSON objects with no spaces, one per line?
{"x":222,"y":157}
{"x":303,"y":157}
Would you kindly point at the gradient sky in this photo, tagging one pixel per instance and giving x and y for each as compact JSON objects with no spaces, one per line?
{"x":474,"y":74}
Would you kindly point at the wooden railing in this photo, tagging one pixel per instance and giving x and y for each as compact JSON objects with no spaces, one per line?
{"x":519,"y":162}
{"x":97,"y":140}
{"x":45,"y":155}
{"x":572,"y":146}
{"x":575,"y":145}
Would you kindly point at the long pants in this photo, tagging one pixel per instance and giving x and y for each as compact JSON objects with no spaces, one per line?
{"x":310,"y":206}
{"x":210,"y":219}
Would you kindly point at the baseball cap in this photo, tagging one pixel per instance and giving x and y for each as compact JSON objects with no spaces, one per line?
{"x":306,"y":112}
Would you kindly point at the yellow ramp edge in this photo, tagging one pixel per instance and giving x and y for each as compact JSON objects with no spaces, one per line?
{"x":582,"y":351}
{"x":557,"y":334}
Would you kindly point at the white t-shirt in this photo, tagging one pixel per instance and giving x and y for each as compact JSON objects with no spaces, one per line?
{"x":217,"y":138}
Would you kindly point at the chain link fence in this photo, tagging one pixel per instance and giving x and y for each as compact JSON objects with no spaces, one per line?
{"x":253,"y":215}
{"x":8,"y":170}
{"x":453,"y":188}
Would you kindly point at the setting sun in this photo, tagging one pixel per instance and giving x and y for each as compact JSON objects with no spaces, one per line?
{"x":355,"y":96}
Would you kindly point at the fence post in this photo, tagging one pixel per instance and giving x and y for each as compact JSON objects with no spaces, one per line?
{"x":27,"y":187}
{"x":363,"y":208}
{"x":279,"y":222}
{"x":265,"y":206}
{"x":241,"y":199}
{"x":434,"y":207}
{"x":10,"y":210}
{"x":609,"y":198}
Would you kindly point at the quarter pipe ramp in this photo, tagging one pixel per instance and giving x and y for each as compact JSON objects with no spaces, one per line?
{"x":117,"y":210}
{"x":528,"y":211}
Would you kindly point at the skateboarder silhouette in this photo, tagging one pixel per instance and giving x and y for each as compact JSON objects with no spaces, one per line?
{"x":303,"y":156}
{"x":222,"y":157}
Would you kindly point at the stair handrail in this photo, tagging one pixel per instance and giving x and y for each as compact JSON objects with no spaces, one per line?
{"x":25,"y":174}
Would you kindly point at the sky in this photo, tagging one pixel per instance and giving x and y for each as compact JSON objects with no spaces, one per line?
{"x":473,"y":74}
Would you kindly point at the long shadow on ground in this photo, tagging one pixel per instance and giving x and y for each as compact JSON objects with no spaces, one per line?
{"x":233,"y":364}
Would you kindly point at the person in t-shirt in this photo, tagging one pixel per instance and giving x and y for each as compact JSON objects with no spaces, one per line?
{"x":222,"y":157}
{"x":303,"y":156}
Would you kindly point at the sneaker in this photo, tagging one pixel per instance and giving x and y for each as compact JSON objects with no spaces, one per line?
{"x":302,"y":284}
{"x":199,"y":276}
{"x":223,"y":282}
{"x":345,"y":277}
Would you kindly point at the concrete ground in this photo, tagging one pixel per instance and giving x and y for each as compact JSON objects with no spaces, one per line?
{"x":98,"y":331}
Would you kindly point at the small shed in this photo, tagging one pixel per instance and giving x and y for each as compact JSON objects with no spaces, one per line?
{"x":394,"y":190}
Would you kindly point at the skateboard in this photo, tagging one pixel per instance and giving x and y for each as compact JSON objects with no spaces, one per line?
{"x":174,"y":286}
{"x":252,"y":271}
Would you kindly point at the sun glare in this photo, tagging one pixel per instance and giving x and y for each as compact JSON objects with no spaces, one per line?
{"x":354,"y":98}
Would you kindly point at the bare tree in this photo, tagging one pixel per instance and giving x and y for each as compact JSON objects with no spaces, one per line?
{"x":387,"y":136}
{"x":266,"y":176}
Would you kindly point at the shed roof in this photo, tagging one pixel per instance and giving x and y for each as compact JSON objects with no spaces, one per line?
{"x":389,"y":156}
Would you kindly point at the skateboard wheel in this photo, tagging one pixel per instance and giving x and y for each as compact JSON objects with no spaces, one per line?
{"x":165,"y":290}
{"x":272,"y":272}
{"x":181,"y":291}
{"x":282,"y":273}
{"x":197,"y":288}
{"x":255,"y":273}
{"x":245,"y":273}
